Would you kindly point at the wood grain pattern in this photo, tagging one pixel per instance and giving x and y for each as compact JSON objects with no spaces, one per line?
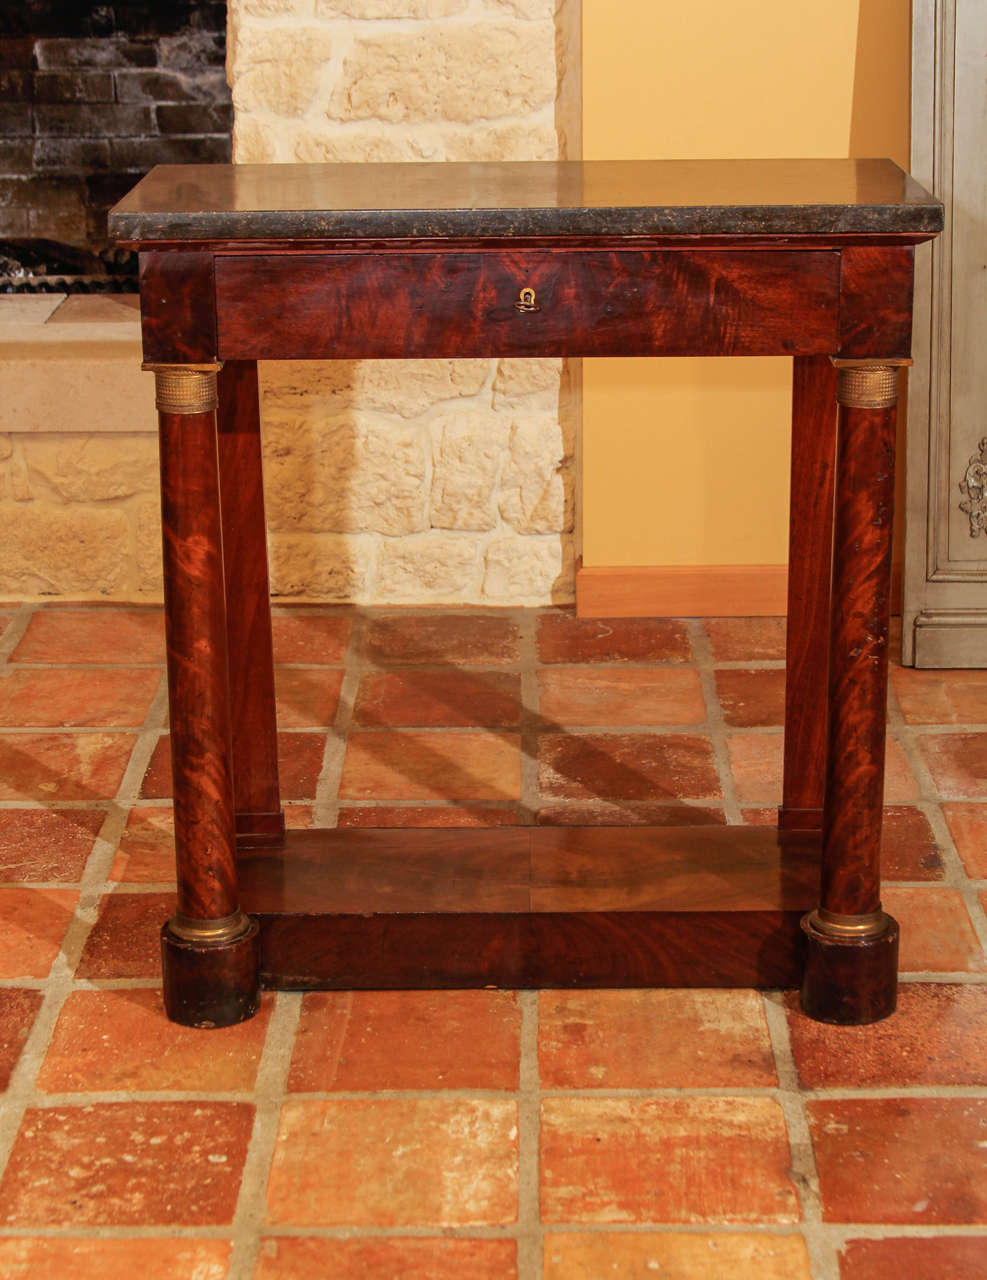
{"x":858,"y":663}
{"x":198,"y":686}
{"x":248,"y":607}
{"x":810,"y":541}
{"x":462,"y":304}
{"x":178,"y":307}
{"x":528,"y":906}
{"x":876,"y":302}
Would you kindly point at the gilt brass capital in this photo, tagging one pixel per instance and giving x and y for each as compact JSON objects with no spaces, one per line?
{"x":873,"y":386}
{"x":182,"y":388}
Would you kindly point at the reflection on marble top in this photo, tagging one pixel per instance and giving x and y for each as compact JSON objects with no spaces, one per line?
{"x":527,"y":198}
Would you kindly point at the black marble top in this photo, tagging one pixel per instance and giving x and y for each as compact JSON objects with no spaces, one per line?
{"x":526,"y":198}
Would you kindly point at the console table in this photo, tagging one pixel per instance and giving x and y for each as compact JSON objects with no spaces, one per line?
{"x":807,"y":258}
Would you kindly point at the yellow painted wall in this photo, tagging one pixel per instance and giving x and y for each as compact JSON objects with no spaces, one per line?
{"x":686,"y":461}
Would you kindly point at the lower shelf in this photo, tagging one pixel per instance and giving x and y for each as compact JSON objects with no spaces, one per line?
{"x":704,"y":906}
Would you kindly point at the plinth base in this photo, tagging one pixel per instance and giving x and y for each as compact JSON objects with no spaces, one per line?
{"x":210,"y":984}
{"x":850,"y":981}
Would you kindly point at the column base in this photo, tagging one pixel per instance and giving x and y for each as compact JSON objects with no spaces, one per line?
{"x":799,"y":819}
{"x":210,"y":984}
{"x":260,"y":830}
{"x":850,"y":981}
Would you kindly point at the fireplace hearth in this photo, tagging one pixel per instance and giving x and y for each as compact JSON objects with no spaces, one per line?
{"x":92,"y":96}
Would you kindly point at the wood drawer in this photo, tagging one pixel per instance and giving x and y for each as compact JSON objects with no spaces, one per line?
{"x":341,"y":305}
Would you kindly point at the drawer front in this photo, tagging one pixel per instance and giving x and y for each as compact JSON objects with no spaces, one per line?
{"x":527,"y":302}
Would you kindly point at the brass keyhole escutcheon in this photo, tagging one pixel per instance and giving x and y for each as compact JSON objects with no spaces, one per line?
{"x":527,"y":302}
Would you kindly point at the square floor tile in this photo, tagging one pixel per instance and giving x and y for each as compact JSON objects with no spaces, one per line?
{"x":108,"y":1041}
{"x":89,"y":1258}
{"x":407,"y":1040}
{"x":665,"y":1160}
{"x":444,"y":815}
{"x":630,"y":813}
{"x":938,"y":1036}
{"x":653,"y":1040}
{"x":908,"y":846}
{"x":47,"y":844}
{"x":437,"y":698}
{"x":125,"y":941}
{"x":146,"y":853}
{"x":93,"y":635}
{"x":746,"y":639}
{"x":306,"y":696}
{"x":56,"y":697}
{"x":939,"y":1258}
{"x":968,"y":827}
{"x":751,"y":698}
{"x":390,"y":1162}
{"x":381,"y":1258}
{"x":612,"y":696}
{"x":35,"y":921}
{"x":957,"y":762}
{"x":941,"y":697}
{"x":612,"y":766}
{"x":562,"y":637}
{"x":315,"y":638}
{"x":63,"y":766}
{"x":432,"y":765}
{"x":917,"y":1160}
{"x":444,"y":639}
{"x":936,"y":933}
{"x":18,"y":1008}
{"x":675,"y":1256}
{"x":133,"y":1164}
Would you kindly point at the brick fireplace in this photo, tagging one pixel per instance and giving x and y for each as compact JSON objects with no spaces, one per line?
{"x":91,"y":97}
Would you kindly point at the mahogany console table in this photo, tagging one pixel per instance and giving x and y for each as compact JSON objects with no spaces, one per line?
{"x":807,"y":258}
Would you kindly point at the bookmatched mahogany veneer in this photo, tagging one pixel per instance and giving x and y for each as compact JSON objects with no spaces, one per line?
{"x":811,"y":259}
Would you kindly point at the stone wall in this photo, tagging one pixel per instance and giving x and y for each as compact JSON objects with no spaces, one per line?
{"x":400,"y":481}
{"x":388,"y":481}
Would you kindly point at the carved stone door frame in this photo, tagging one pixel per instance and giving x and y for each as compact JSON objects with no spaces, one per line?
{"x":945,"y":587}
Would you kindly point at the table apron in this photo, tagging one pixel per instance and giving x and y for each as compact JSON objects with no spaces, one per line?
{"x":527,"y":303}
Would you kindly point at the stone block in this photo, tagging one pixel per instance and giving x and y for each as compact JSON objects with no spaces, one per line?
{"x":67,"y":387}
{"x":363,"y":9}
{"x":270,"y":9}
{"x":279,"y":71}
{"x":521,"y":378}
{"x":64,"y":549}
{"x":436,"y":568}
{"x":529,"y":571}
{"x":468,"y":449}
{"x":466,"y":73}
{"x":536,"y":493}
{"x":403,"y":387}
{"x":319,"y":566}
{"x":345,"y":475}
{"x":147,"y":541}
{"x":92,"y":468}
{"x":530,"y":10}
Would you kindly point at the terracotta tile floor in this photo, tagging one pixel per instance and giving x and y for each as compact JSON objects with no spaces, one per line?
{"x":480,"y":1135}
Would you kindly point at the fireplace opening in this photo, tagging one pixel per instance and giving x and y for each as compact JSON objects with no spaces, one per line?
{"x":92,"y":96}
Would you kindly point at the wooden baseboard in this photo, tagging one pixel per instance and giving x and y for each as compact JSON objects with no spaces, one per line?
{"x":681,"y":591}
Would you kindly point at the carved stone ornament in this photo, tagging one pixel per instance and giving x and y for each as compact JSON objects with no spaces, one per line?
{"x":973,"y":486}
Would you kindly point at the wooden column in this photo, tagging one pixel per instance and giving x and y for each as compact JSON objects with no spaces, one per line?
{"x":851,"y":968}
{"x":209,"y":947}
{"x":810,"y":557}
{"x":259,"y":819}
